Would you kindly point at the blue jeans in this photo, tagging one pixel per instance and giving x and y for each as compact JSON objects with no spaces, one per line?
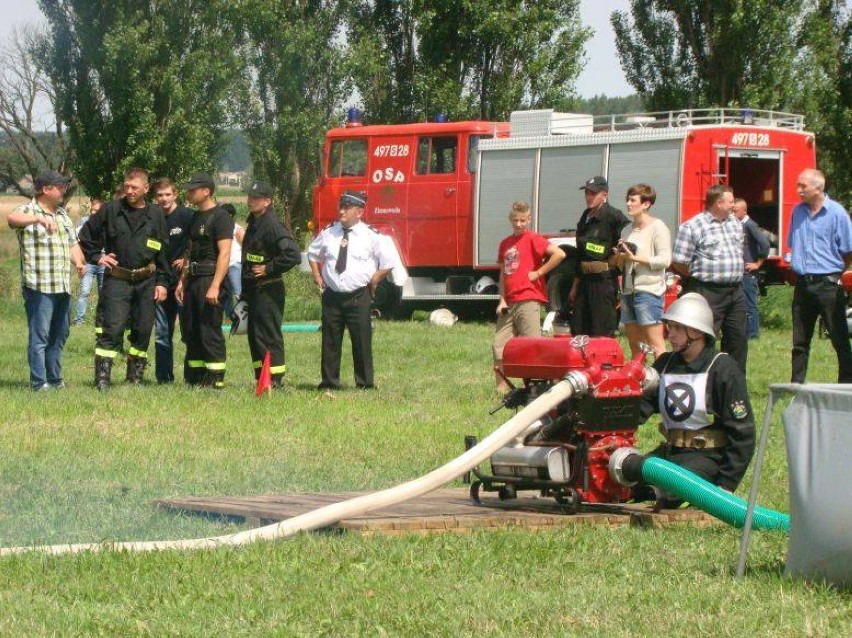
{"x":750,"y":290}
{"x":235,"y":288}
{"x":92,"y":270}
{"x":164,"y":334}
{"x":48,"y":317}
{"x":643,"y":308}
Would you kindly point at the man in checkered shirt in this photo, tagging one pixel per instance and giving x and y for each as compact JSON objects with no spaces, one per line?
{"x":48,"y":247}
{"x":708,"y":255}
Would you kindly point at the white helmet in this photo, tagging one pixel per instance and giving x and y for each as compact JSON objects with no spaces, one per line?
{"x":692,"y":311}
{"x":442,"y":317}
{"x":239,"y":318}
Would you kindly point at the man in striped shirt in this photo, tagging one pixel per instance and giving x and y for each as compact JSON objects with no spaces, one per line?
{"x":48,"y":247}
{"x":708,"y":255}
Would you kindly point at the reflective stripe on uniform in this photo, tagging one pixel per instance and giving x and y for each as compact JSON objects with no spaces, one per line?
{"x":137,"y":353}
{"x":277,"y":369}
{"x":110,"y":354}
{"x":257,"y":364}
{"x":99,"y":330}
{"x":195,"y":363}
{"x":216,"y":365}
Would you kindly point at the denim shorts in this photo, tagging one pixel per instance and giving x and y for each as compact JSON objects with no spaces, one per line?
{"x":642,"y":308}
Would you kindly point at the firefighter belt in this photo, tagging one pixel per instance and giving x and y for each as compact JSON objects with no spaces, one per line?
{"x":704,"y":439}
{"x":132,"y":274}
{"x":201,"y":269}
{"x":593,"y":267}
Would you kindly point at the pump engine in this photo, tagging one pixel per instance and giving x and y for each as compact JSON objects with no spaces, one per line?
{"x":565,"y":454}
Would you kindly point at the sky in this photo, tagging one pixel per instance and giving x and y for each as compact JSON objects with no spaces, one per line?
{"x":602,"y":73}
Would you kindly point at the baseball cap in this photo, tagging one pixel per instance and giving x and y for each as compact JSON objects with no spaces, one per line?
{"x":200,"y":180}
{"x":259,"y":189}
{"x":353,"y":198}
{"x":595,"y":184}
{"x":49,"y":178}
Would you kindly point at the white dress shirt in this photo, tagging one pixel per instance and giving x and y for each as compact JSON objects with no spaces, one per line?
{"x":367,"y":252}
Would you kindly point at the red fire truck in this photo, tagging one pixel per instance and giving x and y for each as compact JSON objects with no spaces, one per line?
{"x":441,"y":191}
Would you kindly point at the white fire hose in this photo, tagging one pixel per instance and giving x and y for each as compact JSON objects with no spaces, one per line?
{"x":573,"y":383}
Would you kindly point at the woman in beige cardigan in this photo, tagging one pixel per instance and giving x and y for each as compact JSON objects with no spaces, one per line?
{"x":643,"y":253}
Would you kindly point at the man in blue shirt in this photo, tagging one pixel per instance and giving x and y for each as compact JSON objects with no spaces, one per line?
{"x":820,"y":239}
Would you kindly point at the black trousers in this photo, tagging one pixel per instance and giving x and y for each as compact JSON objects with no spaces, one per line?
{"x":349,"y":310}
{"x":820,"y":297}
{"x":124,"y":304}
{"x":201,"y":329}
{"x":594,"y":307}
{"x":704,"y":463}
{"x":728,"y":304}
{"x":265,"y":312}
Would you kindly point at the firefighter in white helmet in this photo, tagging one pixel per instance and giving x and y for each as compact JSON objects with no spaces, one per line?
{"x":702,"y":400}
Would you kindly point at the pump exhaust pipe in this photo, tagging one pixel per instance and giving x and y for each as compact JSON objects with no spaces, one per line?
{"x":574,"y":383}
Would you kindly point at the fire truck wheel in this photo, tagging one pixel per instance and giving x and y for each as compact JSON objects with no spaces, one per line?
{"x":388,"y":301}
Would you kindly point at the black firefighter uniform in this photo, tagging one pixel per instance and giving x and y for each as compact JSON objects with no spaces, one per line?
{"x":201,"y":322}
{"x":267,"y":242}
{"x":138,"y":238}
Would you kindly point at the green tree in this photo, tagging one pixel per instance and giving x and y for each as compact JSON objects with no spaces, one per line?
{"x":489,"y":57}
{"x":294,"y":89}
{"x":680,"y":54}
{"x":383,"y":59}
{"x":824,"y":95}
{"x":140,"y":83}
{"x":466,"y":58}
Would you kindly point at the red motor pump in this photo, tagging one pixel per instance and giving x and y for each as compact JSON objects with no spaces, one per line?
{"x":566,"y":453}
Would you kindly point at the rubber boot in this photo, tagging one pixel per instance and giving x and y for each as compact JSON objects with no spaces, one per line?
{"x":277,"y":380}
{"x":135,"y":369}
{"x":214,"y":379}
{"x":193,"y":376}
{"x":103,"y":370}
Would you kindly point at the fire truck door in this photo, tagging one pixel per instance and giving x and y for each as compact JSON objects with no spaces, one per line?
{"x":433,"y":194}
{"x":756,"y":176}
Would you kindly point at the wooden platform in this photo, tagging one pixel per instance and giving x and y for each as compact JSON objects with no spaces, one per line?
{"x":445,"y":510}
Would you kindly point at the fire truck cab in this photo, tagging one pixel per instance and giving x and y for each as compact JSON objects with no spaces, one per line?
{"x":419,"y":182}
{"x":442,"y":191}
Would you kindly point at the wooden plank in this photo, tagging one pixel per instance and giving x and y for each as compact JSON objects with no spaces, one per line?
{"x":447,"y":509}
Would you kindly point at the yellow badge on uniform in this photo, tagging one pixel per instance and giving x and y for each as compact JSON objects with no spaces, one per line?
{"x":255,"y":259}
{"x":153,"y":244}
{"x":739,"y":410}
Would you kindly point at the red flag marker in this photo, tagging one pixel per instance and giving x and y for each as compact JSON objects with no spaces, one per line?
{"x":264,"y":381}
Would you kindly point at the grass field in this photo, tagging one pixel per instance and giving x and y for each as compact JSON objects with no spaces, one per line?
{"x":82,"y":466}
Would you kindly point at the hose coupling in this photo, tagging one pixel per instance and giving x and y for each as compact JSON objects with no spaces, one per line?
{"x":651,"y":381}
{"x":578,"y":380}
{"x":616,"y":465}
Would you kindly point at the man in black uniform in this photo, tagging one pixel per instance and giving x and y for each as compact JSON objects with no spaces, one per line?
{"x":269,"y":251}
{"x":200,"y":289}
{"x":129,"y":238}
{"x":702,"y":399}
{"x":178,"y":219}
{"x":592,"y":294}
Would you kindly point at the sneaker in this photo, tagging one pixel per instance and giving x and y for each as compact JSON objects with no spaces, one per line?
{"x":59,"y":385}
{"x":44,"y":387}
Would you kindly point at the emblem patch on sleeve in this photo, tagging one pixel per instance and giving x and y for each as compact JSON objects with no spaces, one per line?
{"x":739,"y":410}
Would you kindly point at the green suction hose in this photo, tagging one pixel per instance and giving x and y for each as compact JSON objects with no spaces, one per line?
{"x":708,"y":497}
{"x":629,"y":466}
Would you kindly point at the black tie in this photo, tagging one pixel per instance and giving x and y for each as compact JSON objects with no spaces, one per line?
{"x":340,"y":266}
